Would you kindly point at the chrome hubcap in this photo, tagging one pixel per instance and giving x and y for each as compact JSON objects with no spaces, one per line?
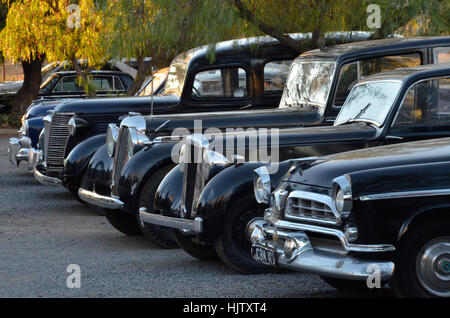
{"x":433,"y":267}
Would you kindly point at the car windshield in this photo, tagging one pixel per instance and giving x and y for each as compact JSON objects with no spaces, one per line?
{"x":308,"y":85}
{"x":175,"y":78}
{"x":48,"y":83}
{"x":369,"y":102}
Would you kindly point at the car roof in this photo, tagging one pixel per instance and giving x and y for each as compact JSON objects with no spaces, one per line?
{"x":95,"y":72}
{"x":357,"y":49}
{"x":246,"y":45}
{"x":411,"y":73}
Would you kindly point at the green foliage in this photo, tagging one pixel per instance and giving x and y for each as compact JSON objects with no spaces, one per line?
{"x":10,"y":121}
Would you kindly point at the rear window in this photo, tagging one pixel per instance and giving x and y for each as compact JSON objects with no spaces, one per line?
{"x":275,"y":76}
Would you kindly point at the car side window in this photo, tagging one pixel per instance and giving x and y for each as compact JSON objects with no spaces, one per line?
{"x":67,"y":84}
{"x":118,"y":84}
{"x":441,"y":54}
{"x":103,"y":83}
{"x":220,"y":83}
{"x":426,"y":103}
{"x":352,"y":73}
{"x":275,"y":76}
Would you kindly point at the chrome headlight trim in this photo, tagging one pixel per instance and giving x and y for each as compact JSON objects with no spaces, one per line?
{"x":112,"y":134}
{"x":136,"y":141}
{"x":135,"y":121}
{"x":342,"y":195}
{"x":75,"y":124}
{"x":261,"y":185}
{"x":48,"y":119}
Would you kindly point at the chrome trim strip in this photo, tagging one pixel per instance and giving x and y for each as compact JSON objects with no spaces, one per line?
{"x":375,"y":248}
{"x":100,"y":200}
{"x":45,"y":180}
{"x":194,"y":226}
{"x":404,"y":194}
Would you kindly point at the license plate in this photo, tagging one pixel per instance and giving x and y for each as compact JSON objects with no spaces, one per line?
{"x":264,"y":255}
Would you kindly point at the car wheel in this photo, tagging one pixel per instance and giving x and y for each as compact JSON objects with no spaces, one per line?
{"x":123,"y":222}
{"x":423,"y":262}
{"x":199,"y":251}
{"x":162,"y":236}
{"x":233,"y":246}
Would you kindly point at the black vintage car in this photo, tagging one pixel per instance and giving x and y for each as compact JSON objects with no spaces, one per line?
{"x":211,"y":201}
{"x":363,"y":218}
{"x":242,"y":75}
{"x":121,"y":177}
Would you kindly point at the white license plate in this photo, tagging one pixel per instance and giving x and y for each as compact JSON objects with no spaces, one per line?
{"x":264,"y":255}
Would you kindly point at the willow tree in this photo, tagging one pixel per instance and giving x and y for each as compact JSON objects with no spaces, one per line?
{"x":23,"y":39}
{"x":38,"y":29}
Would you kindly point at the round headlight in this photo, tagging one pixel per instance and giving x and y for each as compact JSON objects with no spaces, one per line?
{"x":339,"y":200}
{"x":343,"y":198}
{"x":111,"y":138}
{"x":76,"y":123}
{"x":261,"y":185}
{"x":136,"y":141}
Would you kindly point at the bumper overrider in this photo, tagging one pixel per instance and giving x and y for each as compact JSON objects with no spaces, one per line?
{"x":19,"y":149}
{"x":194,"y":226}
{"x":37,"y":165}
{"x":289,"y":245}
{"x":104,"y":201}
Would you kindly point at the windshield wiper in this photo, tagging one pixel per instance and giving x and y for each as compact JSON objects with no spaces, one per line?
{"x":352,"y":120}
{"x":362,"y":111}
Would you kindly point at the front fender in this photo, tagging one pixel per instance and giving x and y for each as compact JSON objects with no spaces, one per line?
{"x":35,"y":126}
{"x":224,"y":188}
{"x":136,"y":171}
{"x":78,"y":159}
{"x":168,"y":194}
{"x":98,"y":174}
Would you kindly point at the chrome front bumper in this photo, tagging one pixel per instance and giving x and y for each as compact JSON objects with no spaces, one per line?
{"x":193,"y":226}
{"x":293,"y":250}
{"x":46,"y":180}
{"x":100,"y":200}
{"x":18,"y":149}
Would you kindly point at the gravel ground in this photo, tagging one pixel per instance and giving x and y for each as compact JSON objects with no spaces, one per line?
{"x":42,"y":231}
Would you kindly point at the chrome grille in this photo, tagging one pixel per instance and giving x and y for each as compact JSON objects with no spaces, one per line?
{"x":120,"y":158}
{"x":311,"y":207}
{"x":190,"y":171}
{"x":55,"y":144}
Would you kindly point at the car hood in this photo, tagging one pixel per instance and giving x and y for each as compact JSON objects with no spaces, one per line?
{"x":270,"y":118}
{"x":117,"y":105}
{"x":321,"y":172}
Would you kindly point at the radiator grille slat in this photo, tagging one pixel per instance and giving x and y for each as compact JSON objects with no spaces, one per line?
{"x":56,"y":140}
{"x":120,"y":158}
{"x":309,"y":209}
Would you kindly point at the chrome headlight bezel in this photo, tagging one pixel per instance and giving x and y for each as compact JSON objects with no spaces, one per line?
{"x":342,"y":195}
{"x":136,"y":141}
{"x":112,"y":135}
{"x":262,"y":186}
{"x":75,"y":124}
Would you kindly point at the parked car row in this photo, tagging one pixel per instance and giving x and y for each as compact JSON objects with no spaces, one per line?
{"x":345,"y":178}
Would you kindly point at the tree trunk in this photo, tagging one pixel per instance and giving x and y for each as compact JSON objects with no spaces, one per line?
{"x":31,"y":84}
{"x":142,"y":72}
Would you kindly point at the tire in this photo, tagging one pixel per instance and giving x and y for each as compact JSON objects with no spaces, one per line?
{"x":162,"y":236}
{"x":123,"y":222}
{"x":410,"y":280}
{"x":233,"y":247}
{"x":201,"y":252}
